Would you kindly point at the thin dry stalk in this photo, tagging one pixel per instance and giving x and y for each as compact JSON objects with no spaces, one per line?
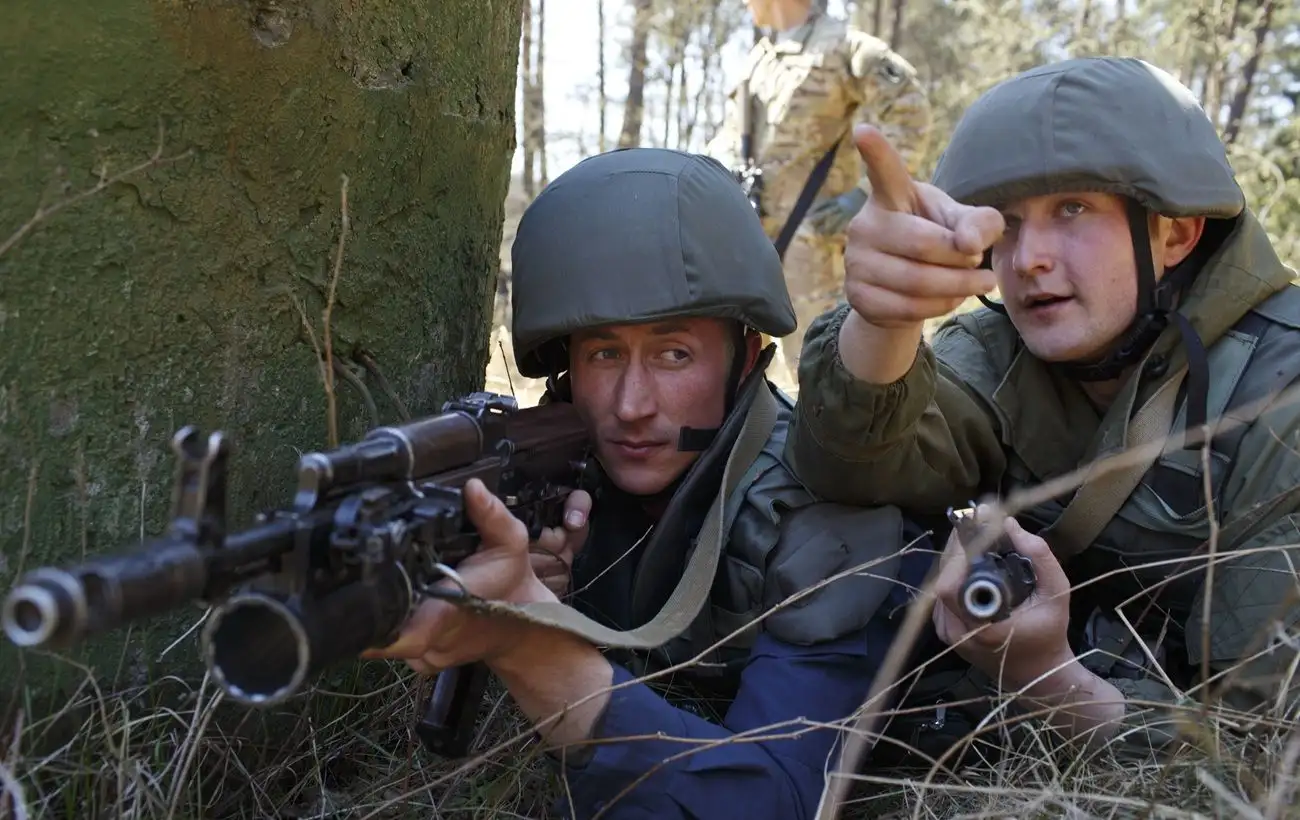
{"x":13,"y":790}
{"x":332,"y":420}
{"x":43,"y":212}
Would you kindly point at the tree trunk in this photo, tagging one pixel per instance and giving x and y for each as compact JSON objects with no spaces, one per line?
{"x":634,"y":107}
{"x":1247,"y":81}
{"x":526,"y":101}
{"x":179,"y":294}
{"x":708,"y":57}
{"x":602,"y":98}
{"x":1082,"y":20}
{"x":539,"y":86}
{"x":896,"y":32}
{"x":878,"y":18}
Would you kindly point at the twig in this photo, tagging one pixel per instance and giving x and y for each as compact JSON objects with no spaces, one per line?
{"x":1211,"y":516}
{"x":332,"y":420}
{"x":42,"y":213}
{"x":15,"y":791}
{"x":506,"y":364}
{"x":372,"y":410}
{"x":372,"y":367}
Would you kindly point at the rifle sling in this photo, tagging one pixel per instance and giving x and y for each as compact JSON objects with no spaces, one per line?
{"x":1100,"y":498}
{"x":810,"y":188}
{"x":691,"y":594}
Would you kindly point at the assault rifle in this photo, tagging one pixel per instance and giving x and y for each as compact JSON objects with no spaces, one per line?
{"x":372,"y":528}
{"x":999,"y":580}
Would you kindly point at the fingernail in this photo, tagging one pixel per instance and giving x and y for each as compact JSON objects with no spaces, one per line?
{"x":574,"y":518}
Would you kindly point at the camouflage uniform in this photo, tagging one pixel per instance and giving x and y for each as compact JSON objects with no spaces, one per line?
{"x":977,"y":413}
{"x":807,"y":87}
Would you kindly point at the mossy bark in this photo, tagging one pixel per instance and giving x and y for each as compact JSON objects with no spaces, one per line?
{"x":177,"y":295}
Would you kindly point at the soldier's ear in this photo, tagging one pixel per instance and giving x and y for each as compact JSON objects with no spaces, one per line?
{"x":752,"y":347}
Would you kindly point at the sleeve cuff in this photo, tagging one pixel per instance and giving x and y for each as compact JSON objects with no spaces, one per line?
{"x":623,"y":739}
{"x":1149,"y":725}
{"x":842,"y":408}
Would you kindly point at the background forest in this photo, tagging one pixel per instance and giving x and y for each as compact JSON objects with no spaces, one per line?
{"x":660,"y":70}
{"x":657,"y":72}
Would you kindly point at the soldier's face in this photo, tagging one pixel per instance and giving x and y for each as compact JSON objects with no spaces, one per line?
{"x":1067,"y":275}
{"x":636,"y":386}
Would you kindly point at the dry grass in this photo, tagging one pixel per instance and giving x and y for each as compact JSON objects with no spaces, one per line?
{"x":171,"y":750}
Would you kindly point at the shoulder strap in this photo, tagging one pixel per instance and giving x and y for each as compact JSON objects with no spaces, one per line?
{"x":692,"y":591}
{"x":806,"y":196}
{"x":1100,"y":498}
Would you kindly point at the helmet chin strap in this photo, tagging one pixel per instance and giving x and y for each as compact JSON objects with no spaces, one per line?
{"x":1156,"y":305}
{"x":698,"y":439}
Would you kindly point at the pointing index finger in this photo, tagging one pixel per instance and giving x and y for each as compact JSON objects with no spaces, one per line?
{"x":891,"y":182}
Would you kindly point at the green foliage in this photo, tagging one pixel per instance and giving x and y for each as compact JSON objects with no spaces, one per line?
{"x":1222,"y":51}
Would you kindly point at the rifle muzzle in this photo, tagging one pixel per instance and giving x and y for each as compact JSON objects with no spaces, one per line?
{"x":983,"y":598}
{"x":262,"y":647}
{"x":56,"y":607}
{"x":997,"y":584}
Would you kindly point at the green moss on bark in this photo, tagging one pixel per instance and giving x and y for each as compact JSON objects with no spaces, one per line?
{"x":168,"y":298}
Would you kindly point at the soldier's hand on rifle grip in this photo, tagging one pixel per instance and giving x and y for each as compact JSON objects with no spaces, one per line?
{"x":554,"y":551}
{"x":1028,"y":643}
{"x":439,"y":634}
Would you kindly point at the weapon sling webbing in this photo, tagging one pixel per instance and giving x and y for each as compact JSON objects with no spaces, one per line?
{"x":692,"y":591}
{"x":1099,"y":499}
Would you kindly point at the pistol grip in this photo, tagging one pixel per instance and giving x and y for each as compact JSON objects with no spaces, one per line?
{"x":447,"y":727}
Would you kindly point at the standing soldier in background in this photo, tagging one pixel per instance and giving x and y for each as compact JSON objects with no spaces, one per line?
{"x":787,"y":135}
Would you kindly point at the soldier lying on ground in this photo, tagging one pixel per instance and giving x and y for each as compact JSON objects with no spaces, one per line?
{"x":642,"y":283}
{"x":1135,"y":284}
{"x":806,"y":82}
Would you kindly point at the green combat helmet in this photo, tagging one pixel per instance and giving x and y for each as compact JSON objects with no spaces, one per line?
{"x":1112,"y":125}
{"x":638,"y":235}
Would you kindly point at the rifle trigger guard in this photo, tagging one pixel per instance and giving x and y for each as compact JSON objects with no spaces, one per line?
{"x":459,"y":597}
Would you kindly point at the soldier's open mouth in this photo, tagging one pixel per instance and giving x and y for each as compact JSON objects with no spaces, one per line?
{"x":1038,"y":302}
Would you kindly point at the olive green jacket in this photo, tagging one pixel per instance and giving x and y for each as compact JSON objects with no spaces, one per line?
{"x":977,"y":414}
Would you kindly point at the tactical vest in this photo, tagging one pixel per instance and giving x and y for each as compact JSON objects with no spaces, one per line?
{"x":768,"y":556}
{"x":1165,"y":518}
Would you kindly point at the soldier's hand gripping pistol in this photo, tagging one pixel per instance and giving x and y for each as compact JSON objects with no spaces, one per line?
{"x":373,"y":527}
{"x":999,"y":580}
